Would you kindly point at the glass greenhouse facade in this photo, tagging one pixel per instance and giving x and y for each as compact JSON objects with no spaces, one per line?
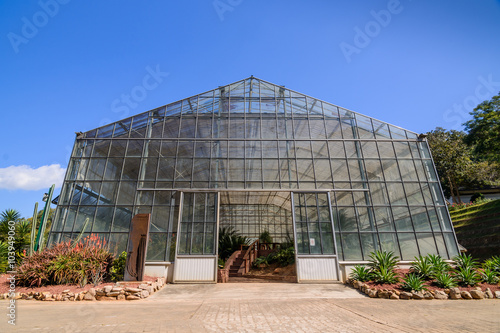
{"x":257,"y":156}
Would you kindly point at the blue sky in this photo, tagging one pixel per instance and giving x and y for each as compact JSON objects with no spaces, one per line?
{"x":66,"y":65}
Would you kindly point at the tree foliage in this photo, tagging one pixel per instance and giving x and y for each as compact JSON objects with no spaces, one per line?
{"x":484,"y":130}
{"x":453,"y":160}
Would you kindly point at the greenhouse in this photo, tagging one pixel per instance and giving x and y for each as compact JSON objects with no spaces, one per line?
{"x":256,"y":157}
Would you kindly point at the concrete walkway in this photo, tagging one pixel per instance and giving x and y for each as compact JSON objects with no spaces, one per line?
{"x":259,"y":307}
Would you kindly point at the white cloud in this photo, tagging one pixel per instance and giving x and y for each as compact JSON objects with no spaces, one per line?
{"x":24,"y":177}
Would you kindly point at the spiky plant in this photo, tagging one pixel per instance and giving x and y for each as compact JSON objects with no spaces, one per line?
{"x":445,"y":280}
{"x":413,"y":282}
{"x":383,"y":260}
{"x":385,"y":276}
{"x":360,"y":273}
{"x":465,"y":261}
{"x":423,"y":267}
{"x":489,"y":276}
{"x":466,"y":276}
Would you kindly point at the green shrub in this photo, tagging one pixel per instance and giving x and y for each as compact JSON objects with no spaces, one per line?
{"x":230,"y":241}
{"x":466,"y":276}
{"x":493,"y":264}
{"x":465,"y":261}
{"x":423,"y":267}
{"x":259,"y":261}
{"x":384,"y":276}
{"x":361,"y":273}
{"x":383,"y":260}
{"x":489,"y":276}
{"x":285,"y":257}
{"x":265,"y":237}
{"x":413,"y":282}
{"x":476,"y":196}
{"x":64,"y":263}
{"x":438,"y":264}
{"x":118,"y":267}
{"x":444,"y":280}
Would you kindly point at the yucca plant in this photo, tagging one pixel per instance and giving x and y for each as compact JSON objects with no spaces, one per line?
{"x":383,"y":260}
{"x":413,"y":282}
{"x":489,"y":276}
{"x":493,"y":264}
{"x":423,"y":267}
{"x":465,"y":261}
{"x":360,"y":273}
{"x":384,"y":276}
{"x":438,"y":264}
{"x":466,"y":276}
{"x":444,"y":280}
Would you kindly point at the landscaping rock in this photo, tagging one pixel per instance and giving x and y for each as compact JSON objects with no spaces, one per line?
{"x":417,"y":295}
{"x":144,"y":294}
{"x":497,"y":294}
{"x":89,"y":297}
{"x":91,"y":292}
{"x":113,"y":294}
{"x":66,"y":291}
{"x":143,"y":286}
{"x":477,"y":294}
{"x":455,"y":293}
{"x":428,"y":295}
{"x":405,"y":295}
{"x":116,"y":289}
{"x":105,"y":298}
{"x":107,"y":289}
{"x":466,"y":295}
{"x":100,"y":292}
{"x":394,"y":296}
{"x":488,"y":293}
{"x":133,"y":290}
{"x":372,"y":293}
{"x":438,"y":294}
{"x":132,"y":297}
{"x":150,"y":289}
{"x":356,"y":284}
{"x":120,"y":297}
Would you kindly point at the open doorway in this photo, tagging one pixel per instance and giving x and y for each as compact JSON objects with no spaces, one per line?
{"x":256,"y":240}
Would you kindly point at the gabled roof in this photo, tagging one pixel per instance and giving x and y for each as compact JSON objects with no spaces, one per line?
{"x":253,"y":96}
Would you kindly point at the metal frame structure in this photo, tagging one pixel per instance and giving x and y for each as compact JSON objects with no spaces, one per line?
{"x":255,"y":136}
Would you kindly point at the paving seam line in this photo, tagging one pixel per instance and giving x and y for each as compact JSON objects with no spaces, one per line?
{"x":371,"y":319}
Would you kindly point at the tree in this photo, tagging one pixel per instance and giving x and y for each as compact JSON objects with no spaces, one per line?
{"x":10,"y":215}
{"x":484,"y":130}
{"x":453,"y":161}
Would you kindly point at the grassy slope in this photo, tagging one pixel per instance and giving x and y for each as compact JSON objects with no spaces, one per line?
{"x":478,"y":228}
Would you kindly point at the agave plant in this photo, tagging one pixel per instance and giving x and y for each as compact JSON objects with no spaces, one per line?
{"x":413,"y":282}
{"x":445,"y":280}
{"x":385,"y":276}
{"x":465,"y":261}
{"x":383,"y":260}
{"x":489,"y":276}
{"x":423,"y":267}
{"x":361,"y":273}
{"x":438,"y":264}
{"x":493,"y":264}
{"x":466,"y":276}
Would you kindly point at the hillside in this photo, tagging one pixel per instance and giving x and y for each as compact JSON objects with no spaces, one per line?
{"x":478,"y":228}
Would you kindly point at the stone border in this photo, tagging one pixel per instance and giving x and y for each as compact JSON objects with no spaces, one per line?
{"x":107,"y":293}
{"x":453,"y":293}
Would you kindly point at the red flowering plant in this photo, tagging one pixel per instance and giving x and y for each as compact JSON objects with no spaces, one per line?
{"x":67,"y":263}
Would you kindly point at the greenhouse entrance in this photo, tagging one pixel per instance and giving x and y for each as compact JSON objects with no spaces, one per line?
{"x":303,"y":218}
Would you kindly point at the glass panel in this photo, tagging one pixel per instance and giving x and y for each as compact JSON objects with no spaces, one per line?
{"x":402,"y":219}
{"x":123,"y":217}
{"x":346,"y":219}
{"x":389,"y":243}
{"x":409,"y":249}
{"x":118,"y":243}
{"x":103,"y":219}
{"x":369,"y":243}
{"x":384,"y":219}
{"x":451,"y":244}
{"x":156,"y":247}
{"x":351,"y":247}
{"x":420,"y":219}
{"x":426,"y":243}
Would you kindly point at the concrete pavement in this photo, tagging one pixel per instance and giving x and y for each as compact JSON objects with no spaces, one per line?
{"x":259,"y":307}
